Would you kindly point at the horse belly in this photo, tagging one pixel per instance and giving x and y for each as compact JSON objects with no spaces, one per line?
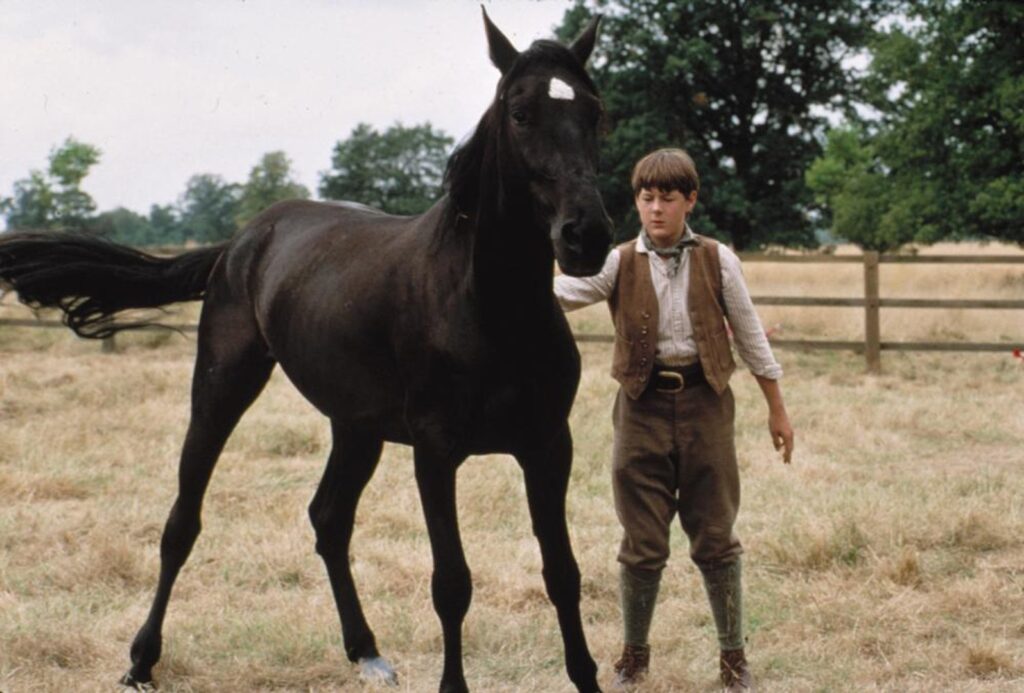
{"x":340,"y":367}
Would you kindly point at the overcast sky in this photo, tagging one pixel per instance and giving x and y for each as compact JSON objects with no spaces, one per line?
{"x":171,"y":88}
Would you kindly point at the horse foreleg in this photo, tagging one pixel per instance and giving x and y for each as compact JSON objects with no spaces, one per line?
{"x":451,"y":585}
{"x":547,"y":479}
{"x":352,"y":462}
{"x":229,"y":374}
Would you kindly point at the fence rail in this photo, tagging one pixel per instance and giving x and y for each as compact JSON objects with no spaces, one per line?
{"x":871,"y":346}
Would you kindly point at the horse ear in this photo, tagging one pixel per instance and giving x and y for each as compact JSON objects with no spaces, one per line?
{"x":583,"y":46}
{"x":503,"y":53}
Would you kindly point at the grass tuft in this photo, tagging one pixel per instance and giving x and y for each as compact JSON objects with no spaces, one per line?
{"x":905,"y":568}
{"x":987,"y":662}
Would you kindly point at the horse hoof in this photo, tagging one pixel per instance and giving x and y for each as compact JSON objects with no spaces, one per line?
{"x":128,"y":681}
{"x":377,"y":670}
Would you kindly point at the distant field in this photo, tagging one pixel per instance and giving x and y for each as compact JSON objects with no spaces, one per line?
{"x":888,"y":557}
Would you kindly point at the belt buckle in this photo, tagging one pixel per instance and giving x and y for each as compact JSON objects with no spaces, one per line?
{"x":672,"y":375}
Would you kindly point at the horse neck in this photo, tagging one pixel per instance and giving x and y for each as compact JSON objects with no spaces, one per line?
{"x":512,"y":265}
{"x":488,"y":211}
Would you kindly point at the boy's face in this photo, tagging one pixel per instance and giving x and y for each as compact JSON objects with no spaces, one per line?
{"x":663,"y":213}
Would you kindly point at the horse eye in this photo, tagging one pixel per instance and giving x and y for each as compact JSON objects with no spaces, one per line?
{"x":519,"y":117}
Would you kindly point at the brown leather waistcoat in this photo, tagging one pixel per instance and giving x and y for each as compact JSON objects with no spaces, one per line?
{"x":634,"y":308}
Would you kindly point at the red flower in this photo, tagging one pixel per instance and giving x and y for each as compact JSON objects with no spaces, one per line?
{"x":1017,"y":354}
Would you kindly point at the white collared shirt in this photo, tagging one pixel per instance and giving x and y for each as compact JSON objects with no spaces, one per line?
{"x":676,"y":346}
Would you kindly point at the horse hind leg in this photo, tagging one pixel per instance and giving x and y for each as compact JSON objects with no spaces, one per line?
{"x":351,"y":464}
{"x":232,"y":366}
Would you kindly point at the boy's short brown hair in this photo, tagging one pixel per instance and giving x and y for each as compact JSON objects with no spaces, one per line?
{"x":666,"y":169}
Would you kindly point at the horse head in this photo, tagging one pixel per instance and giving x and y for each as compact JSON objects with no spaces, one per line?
{"x":539,"y":138}
{"x":550,"y":113}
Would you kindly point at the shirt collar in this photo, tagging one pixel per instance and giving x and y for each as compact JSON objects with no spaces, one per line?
{"x":688,"y":234}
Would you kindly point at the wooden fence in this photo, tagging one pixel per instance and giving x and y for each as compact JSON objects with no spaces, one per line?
{"x":871,"y":346}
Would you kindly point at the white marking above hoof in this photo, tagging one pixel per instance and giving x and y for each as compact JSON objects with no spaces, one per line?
{"x":377,"y":670}
{"x":558,"y":89}
{"x":125,"y":685}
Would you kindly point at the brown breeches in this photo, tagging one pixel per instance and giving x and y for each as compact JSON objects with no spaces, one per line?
{"x":676,"y":453}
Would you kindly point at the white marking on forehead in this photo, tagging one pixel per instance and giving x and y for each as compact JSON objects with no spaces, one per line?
{"x":560,"y":90}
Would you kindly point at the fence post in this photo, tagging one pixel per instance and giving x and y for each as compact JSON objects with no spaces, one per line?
{"x":872,"y":328}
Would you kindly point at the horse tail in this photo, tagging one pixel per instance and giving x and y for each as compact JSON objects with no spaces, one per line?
{"x":92,"y":280}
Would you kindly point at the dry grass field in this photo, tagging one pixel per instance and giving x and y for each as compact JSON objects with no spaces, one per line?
{"x":888,"y":557}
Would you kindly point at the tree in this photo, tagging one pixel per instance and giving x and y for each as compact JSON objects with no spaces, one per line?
{"x":742,"y":85}
{"x":32,"y":205}
{"x":69,"y":165}
{"x":399,"y":171}
{"x":54,"y":199}
{"x":208,"y":208}
{"x":269,"y":181}
{"x":165,"y":225}
{"x":123,"y":226}
{"x":942,"y":156}
{"x":854,"y":194}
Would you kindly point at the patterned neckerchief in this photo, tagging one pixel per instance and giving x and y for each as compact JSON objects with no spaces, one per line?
{"x":675,"y":253}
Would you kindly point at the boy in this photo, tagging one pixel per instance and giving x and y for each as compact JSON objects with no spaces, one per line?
{"x":670,"y":292}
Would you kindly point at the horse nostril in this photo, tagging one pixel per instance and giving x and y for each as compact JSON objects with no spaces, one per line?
{"x":572,"y":236}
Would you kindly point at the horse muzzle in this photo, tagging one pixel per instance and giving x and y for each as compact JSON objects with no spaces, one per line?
{"x":581,"y":244}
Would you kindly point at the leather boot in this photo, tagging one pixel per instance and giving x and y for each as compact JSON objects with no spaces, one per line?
{"x":631,"y":668}
{"x":735,"y":672}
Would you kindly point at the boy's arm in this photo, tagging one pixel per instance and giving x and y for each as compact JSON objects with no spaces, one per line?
{"x":579,"y":292}
{"x":753,"y":347}
{"x":778,"y":420}
{"x":747,"y":330}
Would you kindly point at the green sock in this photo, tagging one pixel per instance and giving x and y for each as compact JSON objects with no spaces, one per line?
{"x":639,"y":592}
{"x":725,"y":593}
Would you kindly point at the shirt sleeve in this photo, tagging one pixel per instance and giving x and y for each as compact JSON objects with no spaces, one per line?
{"x":748,"y":332}
{"x":579,"y":292}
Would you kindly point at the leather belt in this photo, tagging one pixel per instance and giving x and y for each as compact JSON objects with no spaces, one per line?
{"x":670,"y":380}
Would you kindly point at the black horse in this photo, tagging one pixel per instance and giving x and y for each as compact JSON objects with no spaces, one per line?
{"x":439,"y":331}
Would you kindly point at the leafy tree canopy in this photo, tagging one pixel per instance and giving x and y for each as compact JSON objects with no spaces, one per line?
{"x":855,"y":195}
{"x":741,"y":85}
{"x":54,"y":198}
{"x":399,"y":170}
{"x":942,"y":157}
{"x":269,"y":181}
{"x":123,"y":226}
{"x":165,"y":226}
{"x":208,"y":208}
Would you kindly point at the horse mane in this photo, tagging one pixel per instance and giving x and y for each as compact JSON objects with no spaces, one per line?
{"x":474,"y":169}
{"x":471,"y":171}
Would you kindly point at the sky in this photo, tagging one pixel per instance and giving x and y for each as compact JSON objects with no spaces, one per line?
{"x":167,"y":89}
